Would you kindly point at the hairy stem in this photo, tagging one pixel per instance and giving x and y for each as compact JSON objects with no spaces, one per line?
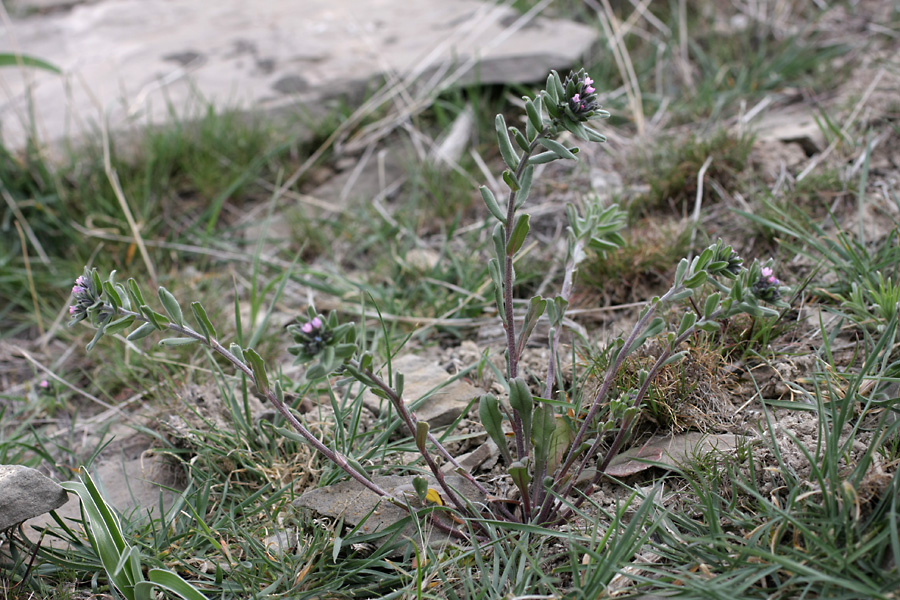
{"x":508,"y":280}
{"x":411,"y":420}
{"x":280,"y":406}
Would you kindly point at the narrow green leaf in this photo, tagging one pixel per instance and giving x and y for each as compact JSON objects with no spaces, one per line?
{"x":119,"y":325}
{"x":510,"y":180}
{"x":171,"y":305}
{"x":518,"y":472}
{"x":498,"y":236}
{"x":536,"y":308}
{"x":97,"y":335}
{"x":712,"y":301}
{"x":680,"y":271}
{"x":491,"y":202}
{"x":154,"y":317}
{"x":259,"y":369}
{"x":557,"y":148}
{"x":520,"y":138}
{"x":141,"y":332}
{"x":520,"y":232}
{"x":421,"y":435}
{"x":522,"y":401}
{"x":542,"y":158}
{"x":9,"y":59}
{"x":112,"y":295}
{"x":399,"y":379}
{"x":525,"y":183}
{"x":179,"y":341}
{"x":506,"y":148}
{"x":550,"y":88}
{"x":420,"y":484}
{"x":675,"y":358}
{"x":683,"y":294}
{"x":542,"y":426}
{"x":174,"y":584}
{"x":592,"y":134}
{"x":206,"y":325}
{"x":696,"y":280}
{"x":687,"y":321}
{"x":533,"y":110}
{"x":560,"y":439}
{"x":492,"y":421}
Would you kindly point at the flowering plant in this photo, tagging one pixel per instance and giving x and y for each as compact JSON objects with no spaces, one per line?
{"x":553,"y":442}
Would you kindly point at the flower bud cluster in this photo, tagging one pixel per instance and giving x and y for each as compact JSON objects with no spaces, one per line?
{"x":766,"y":287}
{"x":312,"y":335}
{"x":85,"y":295}
{"x":581,"y":96}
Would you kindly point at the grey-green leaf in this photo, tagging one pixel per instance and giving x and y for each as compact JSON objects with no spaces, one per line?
{"x":557,"y":148}
{"x":179,"y":341}
{"x":506,"y":148}
{"x":171,"y":305}
{"x":491,"y":202}
{"x":141,"y":332}
{"x":259,"y":369}
{"x":520,"y":232}
{"x":203,"y":320}
{"x":492,"y":421}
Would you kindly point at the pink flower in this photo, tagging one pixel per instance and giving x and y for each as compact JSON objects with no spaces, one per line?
{"x":576,"y":98}
{"x":44,"y":384}
{"x":317,"y":322}
{"x":72,"y":309}
{"x":306,"y":328}
{"x":766,"y":272}
{"x":588,"y":80}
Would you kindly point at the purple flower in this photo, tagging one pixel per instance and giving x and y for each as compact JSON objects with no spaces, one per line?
{"x":766,"y":288}
{"x":582,"y":100}
{"x":309,"y":327}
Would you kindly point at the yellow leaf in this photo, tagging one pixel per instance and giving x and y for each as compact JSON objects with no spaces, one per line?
{"x":433,"y":497}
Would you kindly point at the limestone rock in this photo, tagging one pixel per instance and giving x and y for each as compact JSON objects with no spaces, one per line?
{"x":422,"y":391}
{"x":26,"y":493}
{"x":357,"y":504}
{"x":138,"y":62}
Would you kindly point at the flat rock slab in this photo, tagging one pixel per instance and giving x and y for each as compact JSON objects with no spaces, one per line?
{"x":428,"y":390}
{"x":356,"y":504}
{"x":26,"y":493}
{"x":138,"y":62}
{"x":135,"y":487}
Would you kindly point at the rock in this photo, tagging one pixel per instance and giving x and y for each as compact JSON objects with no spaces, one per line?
{"x":135,"y":482}
{"x":675,"y":450}
{"x":357,"y":504}
{"x":793,"y":124}
{"x":26,"y":493}
{"x":140,"y":62}
{"x":426,"y":390}
{"x":484,"y":457}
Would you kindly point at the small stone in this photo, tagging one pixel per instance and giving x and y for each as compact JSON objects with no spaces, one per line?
{"x":426,"y":388}
{"x":357,"y":505}
{"x":26,"y":493}
{"x":281,"y":542}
